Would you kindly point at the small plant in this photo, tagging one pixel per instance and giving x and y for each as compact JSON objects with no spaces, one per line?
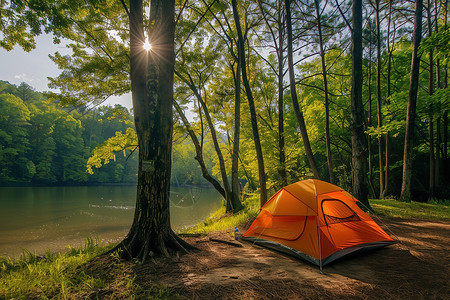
{"x":445,"y":202}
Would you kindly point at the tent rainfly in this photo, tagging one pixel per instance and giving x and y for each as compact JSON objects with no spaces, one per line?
{"x":317,"y":221}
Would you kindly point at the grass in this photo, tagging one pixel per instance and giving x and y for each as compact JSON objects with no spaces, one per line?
{"x":61,"y":275}
{"x":412,"y":210}
{"x":220,"y":221}
{"x":82,"y":273}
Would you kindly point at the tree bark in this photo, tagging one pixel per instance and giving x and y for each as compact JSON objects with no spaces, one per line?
{"x":369,"y":116}
{"x":326,"y":95}
{"x":230,"y":204}
{"x":199,"y":152}
{"x":235,"y":186}
{"x":281,"y":143}
{"x":379,"y":117}
{"x":278,"y":43}
{"x":360,"y":190}
{"x":432,"y":181}
{"x":223,"y":171}
{"x":152,"y":93}
{"x":437,"y":176}
{"x":388,"y":94}
{"x":431,"y":154}
{"x":298,"y":112}
{"x":251,"y":103}
{"x":405,"y":194}
{"x":445,"y":116}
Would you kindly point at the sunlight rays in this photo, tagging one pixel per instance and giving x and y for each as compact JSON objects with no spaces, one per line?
{"x":147,"y":46}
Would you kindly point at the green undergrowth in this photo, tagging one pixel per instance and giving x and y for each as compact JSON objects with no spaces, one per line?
{"x":390,"y":208}
{"x":221,"y":221}
{"x":65,"y":275}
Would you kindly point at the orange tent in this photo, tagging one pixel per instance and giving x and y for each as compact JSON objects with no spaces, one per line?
{"x":317,"y":221}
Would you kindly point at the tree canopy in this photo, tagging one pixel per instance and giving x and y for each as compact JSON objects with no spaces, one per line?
{"x":205,"y":90}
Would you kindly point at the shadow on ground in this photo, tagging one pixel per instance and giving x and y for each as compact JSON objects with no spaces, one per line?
{"x":415,"y":268}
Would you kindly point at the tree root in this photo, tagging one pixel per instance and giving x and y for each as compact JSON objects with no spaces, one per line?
{"x":134,"y":248}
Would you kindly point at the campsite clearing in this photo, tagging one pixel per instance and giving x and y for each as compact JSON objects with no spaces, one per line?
{"x":415,"y":268}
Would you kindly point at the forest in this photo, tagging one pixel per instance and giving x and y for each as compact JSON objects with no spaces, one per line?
{"x":246,"y":97}
{"x":283,"y":117}
{"x":45,"y":144}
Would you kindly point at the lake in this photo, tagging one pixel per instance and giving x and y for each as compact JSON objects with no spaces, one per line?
{"x":52,"y":218}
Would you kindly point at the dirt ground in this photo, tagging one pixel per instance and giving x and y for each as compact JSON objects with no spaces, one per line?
{"x":415,"y":268}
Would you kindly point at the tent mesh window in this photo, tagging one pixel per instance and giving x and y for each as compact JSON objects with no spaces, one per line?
{"x":336,"y":211}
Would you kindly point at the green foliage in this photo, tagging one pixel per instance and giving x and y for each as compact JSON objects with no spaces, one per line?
{"x":42,"y":143}
{"x":14,"y":121}
{"x":439,"y":43}
{"x":104,"y":152}
{"x":423,"y":211}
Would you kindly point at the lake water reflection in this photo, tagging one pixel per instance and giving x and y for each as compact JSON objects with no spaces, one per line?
{"x":51,"y":218}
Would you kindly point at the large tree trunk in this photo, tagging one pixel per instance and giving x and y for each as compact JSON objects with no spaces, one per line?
{"x":325,"y":89}
{"x":405,"y":194}
{"x":251,"y":103}
{"x":359,"y":167}
{"x":152,"y":92}
{"x":298,"y":112}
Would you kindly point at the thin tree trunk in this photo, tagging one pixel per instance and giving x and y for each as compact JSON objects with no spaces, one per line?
{"x":281,"y":143}
{"x":438,"y":120}
{"x":432,"y":181}
{"x":437,"y":164}
{"x":298,"y":112}
{"x":388,"y":94}
{"x":405,"y":194}
{"x":278,"y":42}
{"x":432,"y":161}
{"x":359,"y":167}
{"x":445,"y":156}
{"x":387,"y":161}
{"x":235,"y":186}
{"x":379,"y":116}
{"x":251,"y":103}
{"x":369,"y":118}
{"x":223,"y":172}
{"x":445,"y":140}
{"x":199,"y":151}
{"x":326,"y":95}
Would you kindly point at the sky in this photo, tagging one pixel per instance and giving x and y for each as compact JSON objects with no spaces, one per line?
{"x":33,"y":68}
